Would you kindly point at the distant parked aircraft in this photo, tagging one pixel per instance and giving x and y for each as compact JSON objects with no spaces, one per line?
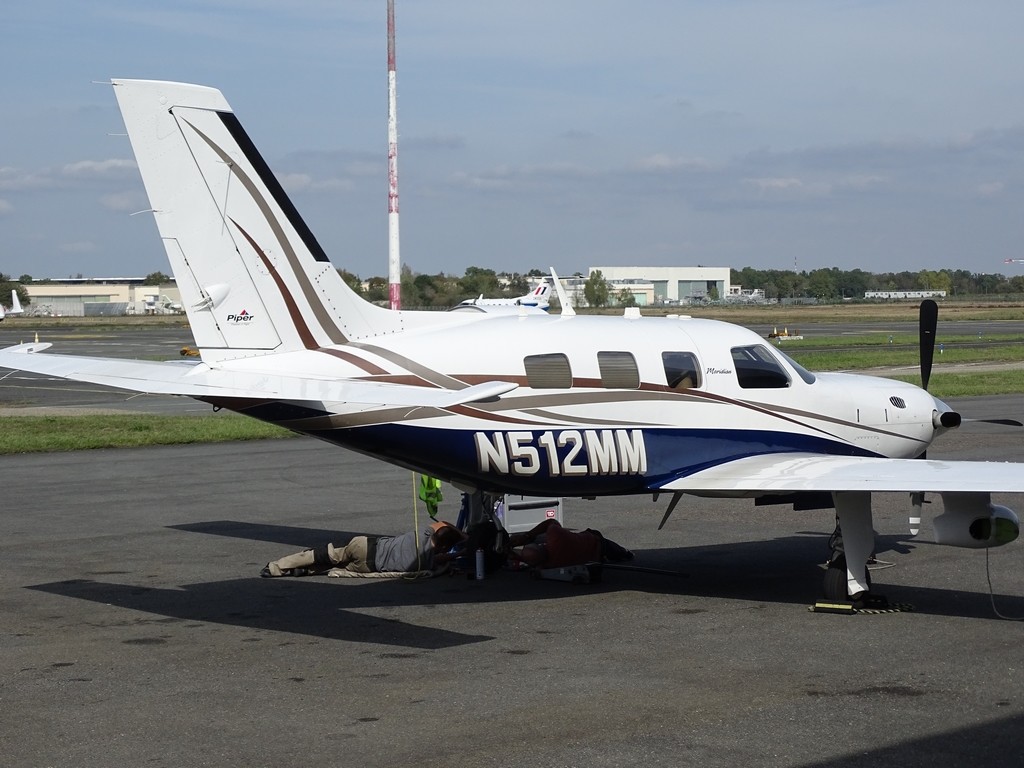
{"x":538,"y":298}
{"x":15,"y":307}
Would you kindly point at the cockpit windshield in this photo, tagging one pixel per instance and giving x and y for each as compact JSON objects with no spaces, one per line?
{"x":802,"y":372}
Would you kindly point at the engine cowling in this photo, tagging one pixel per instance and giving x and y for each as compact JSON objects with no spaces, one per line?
{"x":971,"y":520}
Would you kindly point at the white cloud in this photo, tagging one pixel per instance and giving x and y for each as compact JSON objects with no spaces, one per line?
{"x":295,"y":182}
{"x":990,"y":189}
{"x":861,"y":181}
{"x":365,"y":168}
{"x":665,"y":162}
{"x":80,"y":246}
{"x":334,"y":185}
{"x":774,"y":184}
{"x":490,"y":180}
{"x":127,"y":202}
{"x":438,"y":142}
{"x":15,"y":179}
{"x":100,"y":169}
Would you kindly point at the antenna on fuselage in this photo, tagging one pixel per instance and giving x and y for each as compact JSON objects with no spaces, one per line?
{"x":563,"y":297}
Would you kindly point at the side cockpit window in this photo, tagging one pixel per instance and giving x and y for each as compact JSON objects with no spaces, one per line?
{"x":681,"y":370}
{"x":757,"y":368}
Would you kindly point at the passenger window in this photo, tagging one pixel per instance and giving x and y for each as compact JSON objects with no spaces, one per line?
{"x":618,"y":370}
{"x":757,"y":368}
{"x":681,"y":370}
{"x":548,"y":371}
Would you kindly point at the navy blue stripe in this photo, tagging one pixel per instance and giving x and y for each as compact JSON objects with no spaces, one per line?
{"x":671,"y":454}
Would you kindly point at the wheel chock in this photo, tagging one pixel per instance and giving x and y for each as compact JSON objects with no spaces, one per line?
{"x":847,"y":609}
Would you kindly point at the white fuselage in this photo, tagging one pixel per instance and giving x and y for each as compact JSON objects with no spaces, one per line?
{"x":594,"y":402}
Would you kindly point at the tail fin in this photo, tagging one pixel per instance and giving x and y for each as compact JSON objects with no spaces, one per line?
{"x":15,"y":305}
{"x":540,"y":293}
{"x":253,"y":278}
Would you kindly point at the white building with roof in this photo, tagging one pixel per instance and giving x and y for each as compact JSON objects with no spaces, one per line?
{"x":670,"y":285}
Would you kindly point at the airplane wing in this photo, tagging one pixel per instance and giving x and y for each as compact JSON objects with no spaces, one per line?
{"x":791,"y":472}
{"x":196,"y":379}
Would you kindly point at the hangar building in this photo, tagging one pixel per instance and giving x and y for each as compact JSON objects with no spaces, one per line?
{"x":97,"y":296}
{"x":668,"y":285}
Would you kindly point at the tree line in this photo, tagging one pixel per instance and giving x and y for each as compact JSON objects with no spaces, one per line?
{"x":826,"y":284}
{"x":443,"y":290}
{"x":834,"y":284}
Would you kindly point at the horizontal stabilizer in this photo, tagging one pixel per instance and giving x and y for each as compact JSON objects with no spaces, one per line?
{"x":195,"y":379}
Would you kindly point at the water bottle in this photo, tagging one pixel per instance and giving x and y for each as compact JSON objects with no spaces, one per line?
{"x":479,"y":564}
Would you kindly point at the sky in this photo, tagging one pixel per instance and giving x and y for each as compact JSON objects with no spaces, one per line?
{"x":776,"y":134}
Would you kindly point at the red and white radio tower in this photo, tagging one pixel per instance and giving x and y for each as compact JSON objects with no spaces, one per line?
{"x":394,"y":262}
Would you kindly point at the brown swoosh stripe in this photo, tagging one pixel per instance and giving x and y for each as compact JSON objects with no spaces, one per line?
{"x":327,"y":323}
{"x":357,"y":361}
{"x":477,"y":413}
{"x":293,"y":310}
{"x":436,"y":378}
{"x":778,"y":409}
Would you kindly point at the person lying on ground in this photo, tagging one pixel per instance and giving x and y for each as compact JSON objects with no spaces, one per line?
{"x":549,"y":545}
{"x":408,"y":553}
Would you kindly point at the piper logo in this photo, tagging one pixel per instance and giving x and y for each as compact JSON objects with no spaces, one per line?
{"x":241,"y":318}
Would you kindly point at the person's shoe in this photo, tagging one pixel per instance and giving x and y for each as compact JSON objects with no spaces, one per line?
{"x":272,"y":570}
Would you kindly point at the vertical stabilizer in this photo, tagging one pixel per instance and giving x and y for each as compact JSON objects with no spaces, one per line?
{"x":253,"y":278}
{"x":15,"y":305}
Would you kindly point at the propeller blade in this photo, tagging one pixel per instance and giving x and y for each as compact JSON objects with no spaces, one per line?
{"x":1004,"y":422}
{"x":928,"y":322}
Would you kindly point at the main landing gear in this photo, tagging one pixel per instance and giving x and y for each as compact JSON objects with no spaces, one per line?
{"x":846,"y":577}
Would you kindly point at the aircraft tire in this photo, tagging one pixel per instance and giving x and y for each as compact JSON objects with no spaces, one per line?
{"x":834,"y":585}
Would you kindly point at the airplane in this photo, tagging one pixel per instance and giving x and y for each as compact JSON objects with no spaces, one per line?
{"x":15,"y":306}
{"x":537,"y":298}
{"x":529,"y":403}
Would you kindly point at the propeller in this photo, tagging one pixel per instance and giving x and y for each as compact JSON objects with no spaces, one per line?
{"x":928,"y":323}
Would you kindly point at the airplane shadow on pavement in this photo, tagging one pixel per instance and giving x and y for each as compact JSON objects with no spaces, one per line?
{"x":784,"y":570}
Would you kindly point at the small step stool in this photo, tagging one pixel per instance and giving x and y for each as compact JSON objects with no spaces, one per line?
{"x":575,"y":574}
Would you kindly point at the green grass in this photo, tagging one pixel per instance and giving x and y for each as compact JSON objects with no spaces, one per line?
{"x":840,"y":359}
{"x":944,"y":385}
{"x":38,"y":434}
{"x":879,"y":339}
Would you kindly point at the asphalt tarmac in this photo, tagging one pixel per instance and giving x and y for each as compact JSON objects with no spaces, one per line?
{"x":30,"y":392}
{"x":134,"y":629}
